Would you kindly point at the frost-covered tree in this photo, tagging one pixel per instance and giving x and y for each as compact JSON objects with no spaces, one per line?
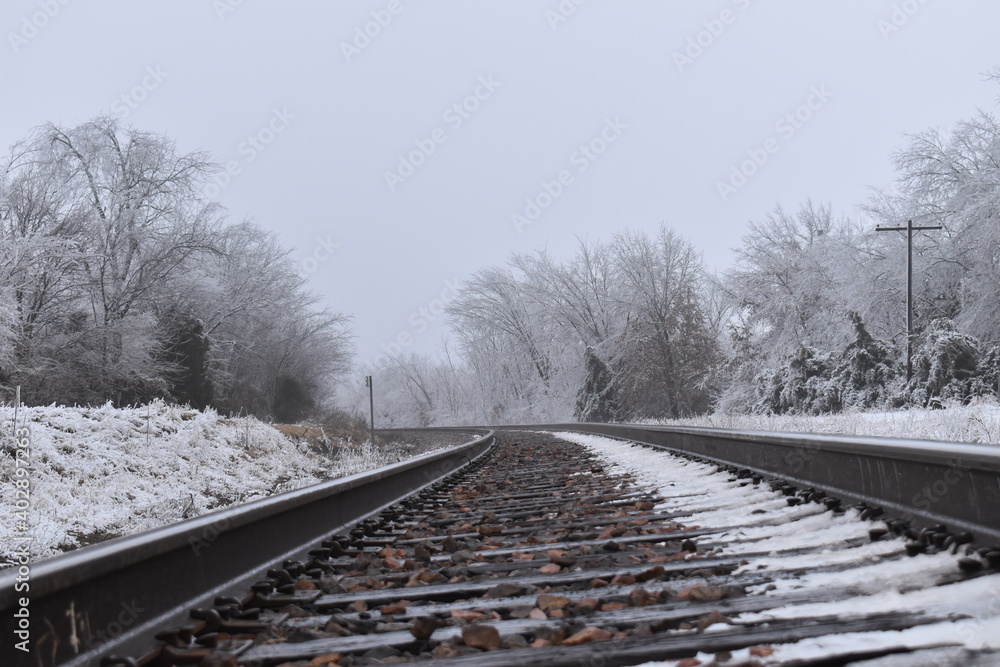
{"x":119,"y":282}
{"x":636,"y":302}
{"x":669,"y":348}
{"x":8,"y":318}
{"x":953,"y":180}
{"x":305,"y":348}
{"x":989,"y":372}
{"x":803,"y":385}
{"x":99,"y":218}
{"x":790,"y":278}
{"x":580,"y":296}
{"x":513,"y":346}
{"x":795,"y":279}
{"x":269,"y":338}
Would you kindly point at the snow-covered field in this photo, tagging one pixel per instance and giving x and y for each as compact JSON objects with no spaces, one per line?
{"x":884,"y":580}
{"x":978,"y":422}
{"x":102,"y":472}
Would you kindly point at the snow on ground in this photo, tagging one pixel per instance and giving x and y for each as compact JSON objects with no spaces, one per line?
{"x":977,"y":422}
{"x":102,"y":472}
{"x":888,"y":581}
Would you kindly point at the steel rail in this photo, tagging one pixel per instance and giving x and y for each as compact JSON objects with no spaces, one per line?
{"x":922,"y":483}
{"x":547,"y":555}
{"x":112,"y":597}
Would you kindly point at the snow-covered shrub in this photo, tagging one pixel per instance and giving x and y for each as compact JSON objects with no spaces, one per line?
{"x":866,"y":369}
{"x":805,"y":385}
{"x":946,"y":367}
{"x":815,"y":382}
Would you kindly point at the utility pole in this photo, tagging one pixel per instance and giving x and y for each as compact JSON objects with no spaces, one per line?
{"x":909,"y":229}
{"x":371,"y":404}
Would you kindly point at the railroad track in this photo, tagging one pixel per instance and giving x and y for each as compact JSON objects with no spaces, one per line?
{"x":573,"y":549}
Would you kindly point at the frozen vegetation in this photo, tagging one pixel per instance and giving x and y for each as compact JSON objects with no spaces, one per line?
{"x":809,"y":319}
{"x":120,"y":281}
{"x":151,"y":292}
{"x":102,"y":472}
{"x":976,"y":422}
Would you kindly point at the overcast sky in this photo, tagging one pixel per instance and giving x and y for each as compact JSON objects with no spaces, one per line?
{"x":400,"y":145}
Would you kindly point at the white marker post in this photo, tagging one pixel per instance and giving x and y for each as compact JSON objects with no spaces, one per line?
{"x":371,"y":404}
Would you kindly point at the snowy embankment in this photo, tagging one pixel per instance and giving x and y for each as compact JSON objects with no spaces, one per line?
{"x":103,"y":472}
{"x":978,"y":422}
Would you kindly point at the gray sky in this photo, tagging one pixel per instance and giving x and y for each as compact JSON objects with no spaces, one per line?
{"x":605,"y":115}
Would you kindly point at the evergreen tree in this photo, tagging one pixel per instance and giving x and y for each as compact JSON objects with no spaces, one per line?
{"x":989,"y":372}
{"x":293,"y":401}
{"x":187,"y":351}
{"x":866,"y":368}
{"x":804,"y":385}
{"x":597,"y":400}
{"x":815,"y":382}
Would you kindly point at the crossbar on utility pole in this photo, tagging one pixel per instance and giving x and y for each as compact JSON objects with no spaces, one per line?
{"x":909,"y":229}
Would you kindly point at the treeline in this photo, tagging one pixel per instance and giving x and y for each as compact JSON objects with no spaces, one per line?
{"x":120,"y":282}
{"x":619,"y":331}
{"x":816,"y":317}
{"x":811,"y":318}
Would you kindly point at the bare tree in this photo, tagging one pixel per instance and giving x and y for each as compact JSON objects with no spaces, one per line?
{"x":579,"y":296}
{"x":670,"y":349}
{"x":503,"y":336}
